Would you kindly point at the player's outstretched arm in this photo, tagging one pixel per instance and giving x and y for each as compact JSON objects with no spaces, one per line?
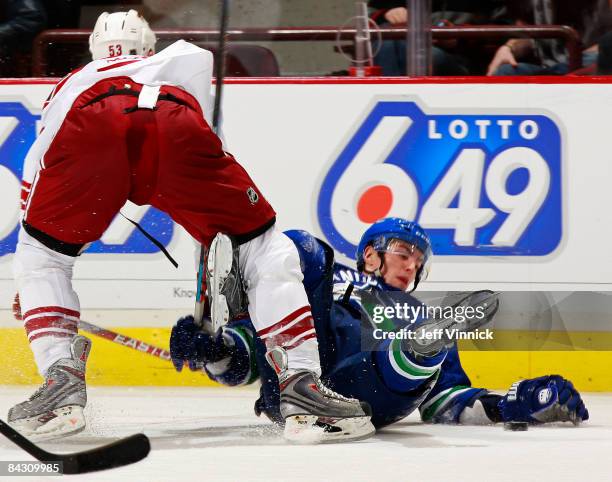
{"x":453,"y":399}
{"x":227,"y":357}
{"x":539,"y":400}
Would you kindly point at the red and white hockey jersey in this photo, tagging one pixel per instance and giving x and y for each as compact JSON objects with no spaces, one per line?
{"x":182,"y":64}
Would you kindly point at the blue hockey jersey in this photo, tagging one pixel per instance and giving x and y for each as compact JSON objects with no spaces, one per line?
{"x":391,"y":380}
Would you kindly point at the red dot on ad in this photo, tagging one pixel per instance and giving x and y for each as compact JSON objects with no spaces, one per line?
{"x":374,"y":204}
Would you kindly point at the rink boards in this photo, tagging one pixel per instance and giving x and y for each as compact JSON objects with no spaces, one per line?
{"x":510,"y":179}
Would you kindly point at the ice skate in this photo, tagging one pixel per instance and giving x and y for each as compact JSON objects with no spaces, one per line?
{"x":313,"y":413}
{"x":224,"y":284}
{"x":56,"y":408}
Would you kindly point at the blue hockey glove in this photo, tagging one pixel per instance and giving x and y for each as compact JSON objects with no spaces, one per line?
{"x":190,"y":345}
{"x":545,"y":399}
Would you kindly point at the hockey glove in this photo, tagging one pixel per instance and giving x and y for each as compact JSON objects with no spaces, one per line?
{"x":540,"y":400}
{"x":191,"y":346}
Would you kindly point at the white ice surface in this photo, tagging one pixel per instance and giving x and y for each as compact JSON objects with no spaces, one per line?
{"x":208,"y":434}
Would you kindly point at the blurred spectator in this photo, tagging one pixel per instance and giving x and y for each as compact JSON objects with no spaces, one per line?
{"x":62,"y":13}
{"x":523,"y":56}
{"x":461,"y":57}
{"x":20,"y":21}
{"x":604,"y":59}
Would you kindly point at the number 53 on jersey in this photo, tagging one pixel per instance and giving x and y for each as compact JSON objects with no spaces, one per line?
{"x":483,"y":183}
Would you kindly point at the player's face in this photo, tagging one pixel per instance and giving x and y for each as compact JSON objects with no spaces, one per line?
{"x":400,"y":266}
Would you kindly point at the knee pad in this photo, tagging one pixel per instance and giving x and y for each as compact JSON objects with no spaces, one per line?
{"x":43,"y":276}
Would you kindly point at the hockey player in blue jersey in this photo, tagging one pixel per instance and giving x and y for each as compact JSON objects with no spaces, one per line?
{"x":395,"y":377}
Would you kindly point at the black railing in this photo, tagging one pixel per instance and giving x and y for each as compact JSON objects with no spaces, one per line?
{"x":302,"y":34}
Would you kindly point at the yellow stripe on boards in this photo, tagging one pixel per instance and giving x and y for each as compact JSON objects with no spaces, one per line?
{"x":113,"y":364}
{"x":109,"y":362}
{"x":499,"y":369}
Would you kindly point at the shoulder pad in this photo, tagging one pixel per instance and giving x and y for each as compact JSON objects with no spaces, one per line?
{"x":316,"y":257}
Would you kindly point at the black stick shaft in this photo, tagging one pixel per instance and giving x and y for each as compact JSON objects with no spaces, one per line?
{"x":220,"y":64}
{"x":23,"y":443}
{"x":116,"y":454}
{"x":198,"y":312}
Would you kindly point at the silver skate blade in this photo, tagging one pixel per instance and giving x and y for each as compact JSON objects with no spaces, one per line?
{"x":218,"y":267}
{"x":48,"y":437}
{"x":66,"y":421}
{"x":312,"y":430}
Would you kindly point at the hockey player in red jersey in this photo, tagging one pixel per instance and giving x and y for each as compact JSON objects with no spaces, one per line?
{"x":132,"y":127}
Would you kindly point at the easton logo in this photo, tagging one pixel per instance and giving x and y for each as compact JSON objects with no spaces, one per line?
{"x":481,"y":184}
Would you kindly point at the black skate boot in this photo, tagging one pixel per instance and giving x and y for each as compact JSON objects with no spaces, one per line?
{"x":313,"y":413}
{"x":56,"y":408}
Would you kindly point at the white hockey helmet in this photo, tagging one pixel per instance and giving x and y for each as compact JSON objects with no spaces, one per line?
{"x":121,"y":33}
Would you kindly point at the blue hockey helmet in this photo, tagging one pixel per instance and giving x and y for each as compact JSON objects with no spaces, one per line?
{"x":382,"y":232}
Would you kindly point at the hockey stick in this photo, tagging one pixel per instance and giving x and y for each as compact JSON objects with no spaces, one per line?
{"x":117,"y":454}
{"x":220,"y":64}
{"x":200,"y":302}
{"x":486,"y":300}
{"x":125,"y":340}
{"x":107,"y":334}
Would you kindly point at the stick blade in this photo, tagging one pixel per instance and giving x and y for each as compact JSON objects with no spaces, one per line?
{"x":117,"y":454}
{"x":486,"y":301}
